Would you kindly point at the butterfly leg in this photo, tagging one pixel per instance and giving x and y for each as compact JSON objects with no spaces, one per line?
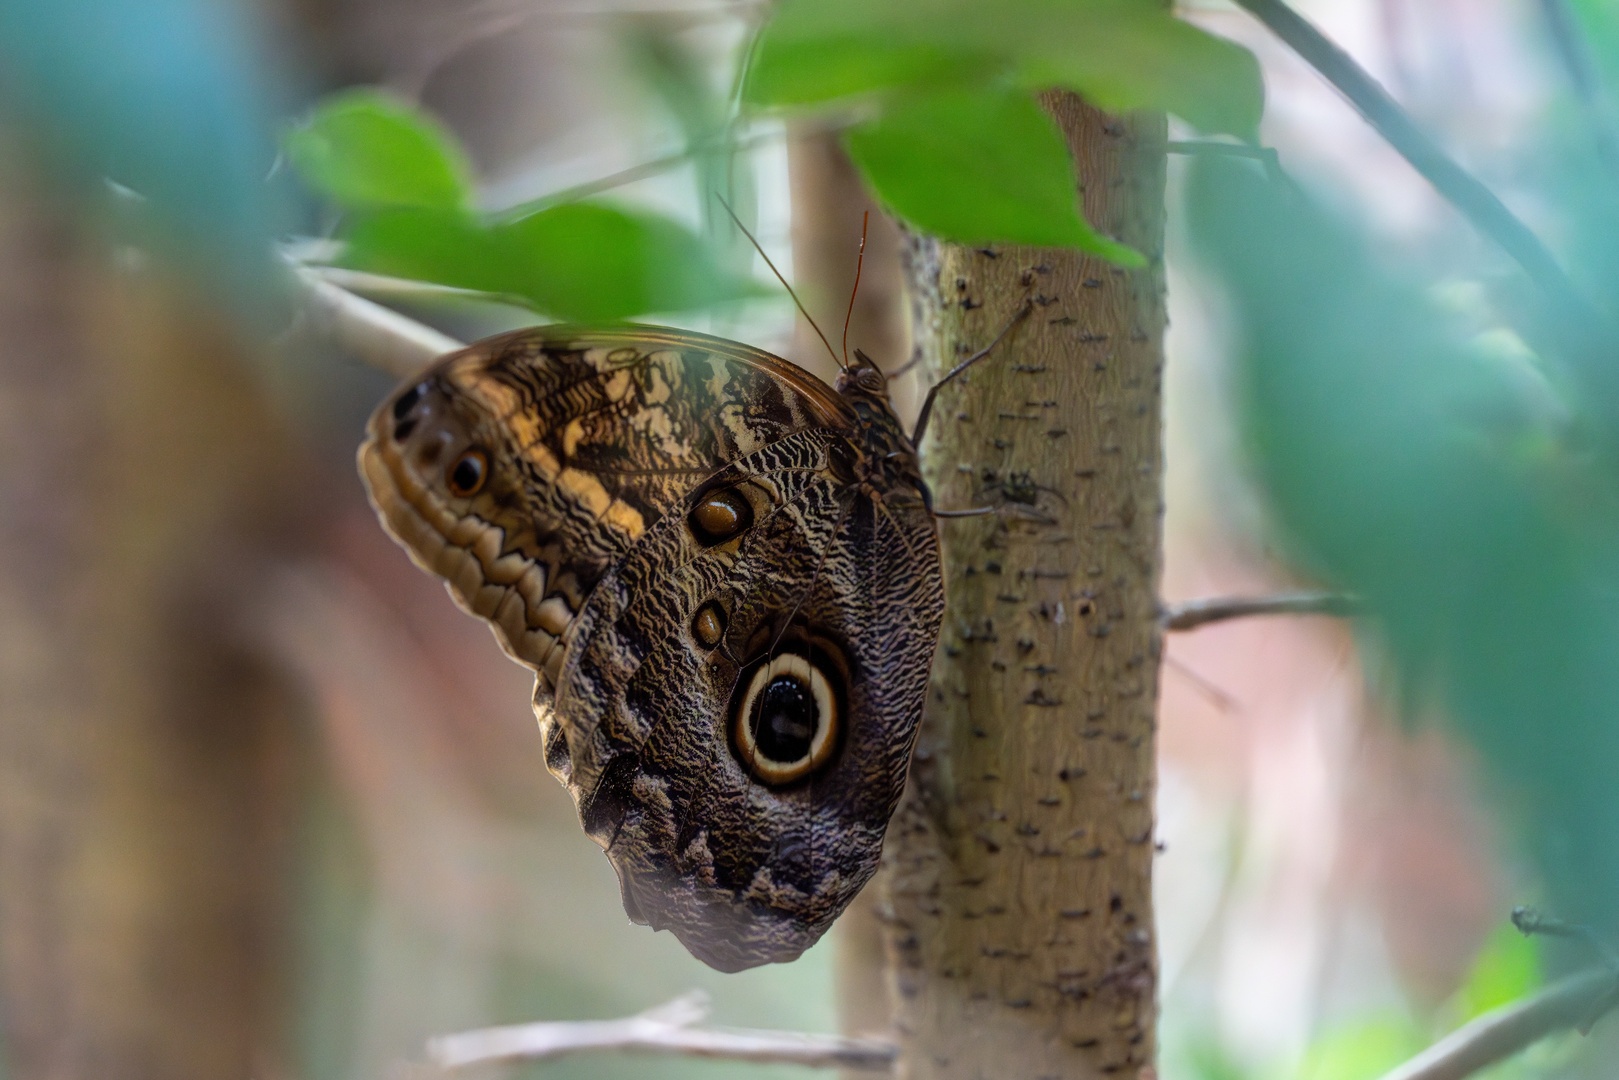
{"x":927,"y":402}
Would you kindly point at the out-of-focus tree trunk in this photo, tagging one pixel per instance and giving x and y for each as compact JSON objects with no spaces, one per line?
{"x":829,"y":205}
{"x":1020,"y":863}
{"x":138,"y":746}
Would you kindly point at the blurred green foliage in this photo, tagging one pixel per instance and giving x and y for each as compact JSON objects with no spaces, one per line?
{"x":679,"y":80}
{"x":579,"y":261}
{"x":957,"y":146}
{"x":1362,"y":1050}
{"x":174,"y":100}
{"x":363,"y":149}
{"x":1507,"y":968}
{"x":1459,"y":491}
{"x":953,"y":141}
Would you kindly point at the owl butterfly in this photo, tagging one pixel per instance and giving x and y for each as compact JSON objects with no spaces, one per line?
{"x":726,"y":578}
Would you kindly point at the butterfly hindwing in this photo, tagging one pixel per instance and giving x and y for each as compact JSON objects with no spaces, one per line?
{"x":743,"y":870}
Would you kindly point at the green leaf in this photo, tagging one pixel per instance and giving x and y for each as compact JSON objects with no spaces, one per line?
{"x":579,"y":262}
{"x":825,"y":68}
{"x":593,"y":264}
{"x":362,"y":149}
{"x":978,"y":167}
{"x":1120,"y":54}
{"x":448,"y":247}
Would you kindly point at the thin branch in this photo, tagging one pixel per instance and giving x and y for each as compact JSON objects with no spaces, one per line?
{"x":647,"y":169}
{"x":1195,"y":613}
{"x":1530,"y":922}
{"x":1501,"y":1033}
{"x":383,"y":339}
{"x":666,"y":1029}
{"x":1217,"y":697}
{"x":1459,"y":187}
{"x":1267,"y":154}
{"x":382,"y":287}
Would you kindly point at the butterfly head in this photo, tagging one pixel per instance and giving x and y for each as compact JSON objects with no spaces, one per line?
{"x":862,"y":378}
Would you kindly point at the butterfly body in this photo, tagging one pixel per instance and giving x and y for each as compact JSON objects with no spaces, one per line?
{"x":726,"y":578}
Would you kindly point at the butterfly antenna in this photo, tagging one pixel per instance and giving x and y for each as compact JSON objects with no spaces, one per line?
{"x":796,"y":303}
{"x":859,"y":263}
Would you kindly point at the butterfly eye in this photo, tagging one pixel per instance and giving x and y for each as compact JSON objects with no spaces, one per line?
{"x":787,"y":725}
{"x":720,"y":516}
{"x":468,"y":473}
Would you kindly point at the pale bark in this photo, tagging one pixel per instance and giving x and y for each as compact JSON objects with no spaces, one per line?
{"x":1021,"y":928}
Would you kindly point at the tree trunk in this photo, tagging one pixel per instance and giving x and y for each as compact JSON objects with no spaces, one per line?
{"x":1019,"y":866}
{"x":138,"y":864}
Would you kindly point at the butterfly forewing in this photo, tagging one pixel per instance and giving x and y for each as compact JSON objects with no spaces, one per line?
{"x":589,"y":437}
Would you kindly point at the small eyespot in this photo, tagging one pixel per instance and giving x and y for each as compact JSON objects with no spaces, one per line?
{"x":467,"y":475}
{"x":787,"y":724}
{"x":407,"y":401}
{"x":720,"y":516}
{"x":708,"y":625}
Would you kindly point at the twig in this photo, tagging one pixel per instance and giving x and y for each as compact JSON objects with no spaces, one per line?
{"x":383,"y":339}
{"x":1503,"y":1032}
{"x":1459,"y":187}
{"x":1195,"y":613}
{"x":1218,"y":697}
{"x":666,"y":1029}
{"x":654,"y":167}
{"x":1531,"y":922}
{"x":1267,"y":154}
{"x":382,"y":287}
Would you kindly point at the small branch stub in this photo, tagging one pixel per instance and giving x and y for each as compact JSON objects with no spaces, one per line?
{"x":1195,"y":613}
{"x":667,"y":1029}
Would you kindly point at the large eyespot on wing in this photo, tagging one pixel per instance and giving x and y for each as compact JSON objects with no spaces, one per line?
{"x":786,"y":718}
